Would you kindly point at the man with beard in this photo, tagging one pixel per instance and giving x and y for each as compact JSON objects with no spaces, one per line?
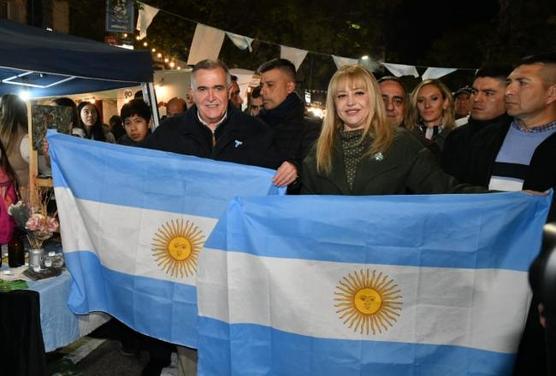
{"x":284,"y":112}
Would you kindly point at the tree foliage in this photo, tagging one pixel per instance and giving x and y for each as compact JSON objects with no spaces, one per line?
{"x":422,"y":33}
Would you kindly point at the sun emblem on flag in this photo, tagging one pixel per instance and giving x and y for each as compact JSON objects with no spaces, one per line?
{"x":368,"y":302}
{"x":176,"y":246}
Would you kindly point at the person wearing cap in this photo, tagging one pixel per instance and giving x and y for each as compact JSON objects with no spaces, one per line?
{"x":462,"y":104}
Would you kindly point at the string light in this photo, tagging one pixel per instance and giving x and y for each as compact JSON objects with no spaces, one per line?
{"x":166,"y":60}
{"x":125,"y":35}
{"x":172,"y":64}
{"x":145,"y":44}
{"x":153,"y":50}
{"x":159,"y":55}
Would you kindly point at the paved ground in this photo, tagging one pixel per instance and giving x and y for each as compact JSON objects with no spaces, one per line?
{"x":92,"y":356}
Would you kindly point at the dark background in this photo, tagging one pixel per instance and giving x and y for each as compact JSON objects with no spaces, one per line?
{"x":462,"y":34}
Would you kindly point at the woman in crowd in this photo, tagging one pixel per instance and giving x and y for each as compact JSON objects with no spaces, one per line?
{"x":8,"y":197}
{"x":14,"y":138}
{"x":358,"y":153}
{"x":431,"y":112}
{"x":136,"y":116}
{"x":90,"y":122}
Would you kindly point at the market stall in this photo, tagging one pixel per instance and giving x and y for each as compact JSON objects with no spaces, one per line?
{"x":37,"y":63}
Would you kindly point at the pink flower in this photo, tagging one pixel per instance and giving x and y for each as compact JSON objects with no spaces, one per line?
{"x":35,"y":222}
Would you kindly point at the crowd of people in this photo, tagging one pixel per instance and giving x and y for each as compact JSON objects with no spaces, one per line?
{"x":496,"y":134}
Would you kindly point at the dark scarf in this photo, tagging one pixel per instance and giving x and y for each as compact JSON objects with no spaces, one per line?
{"x":353,"y":150}
{"x":476,"y":125}
{"x":291,"y":106}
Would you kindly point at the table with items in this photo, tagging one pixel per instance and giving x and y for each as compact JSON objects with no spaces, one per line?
{"x":59,"y":325}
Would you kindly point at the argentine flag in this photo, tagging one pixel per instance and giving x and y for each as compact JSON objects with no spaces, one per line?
{"x":134,"y":222}
{"x":384,"y":285}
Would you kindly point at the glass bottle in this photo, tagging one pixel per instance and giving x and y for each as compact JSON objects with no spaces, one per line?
{"x":16,"y":251}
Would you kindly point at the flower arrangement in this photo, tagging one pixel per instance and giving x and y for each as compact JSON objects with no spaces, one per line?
{"x":35,"y":221}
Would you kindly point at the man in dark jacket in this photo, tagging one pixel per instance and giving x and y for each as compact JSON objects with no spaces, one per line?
{"x":214,"y":128}
{"x":284,"y":112}
{"x":488,"y":108}
{"x":521,"y":155}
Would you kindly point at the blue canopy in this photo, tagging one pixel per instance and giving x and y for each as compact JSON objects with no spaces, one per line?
{"x":49,"y":63}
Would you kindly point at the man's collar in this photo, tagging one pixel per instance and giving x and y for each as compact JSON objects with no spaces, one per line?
{"x":292,"y":103}
{"x":550,"y":126}
{"x":207,"y":124}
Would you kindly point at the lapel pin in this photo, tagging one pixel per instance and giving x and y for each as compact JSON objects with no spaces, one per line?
{"x":378,"y":157}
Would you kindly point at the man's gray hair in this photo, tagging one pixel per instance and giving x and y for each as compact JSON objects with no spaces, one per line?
{"x":209,"y":64}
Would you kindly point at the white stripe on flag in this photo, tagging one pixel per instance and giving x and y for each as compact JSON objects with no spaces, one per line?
{"x":476,"y":308}
{"x":121,"y":236}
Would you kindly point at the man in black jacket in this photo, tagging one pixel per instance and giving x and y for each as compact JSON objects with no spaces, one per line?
{"x":521,"y":155}
{"x":488,"y":108}
{"x":284,"y":112}
{"x":518,"y":156}
{"x":214,"y":128}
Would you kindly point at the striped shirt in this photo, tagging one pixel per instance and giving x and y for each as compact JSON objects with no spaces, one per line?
{"x":514,"y":157}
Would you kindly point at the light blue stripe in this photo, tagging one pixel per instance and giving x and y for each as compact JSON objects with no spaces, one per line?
{"x":160,"y":309}
{"x":152,"y":179}
{"x":498,"y":230}
{"x":260,"y":350}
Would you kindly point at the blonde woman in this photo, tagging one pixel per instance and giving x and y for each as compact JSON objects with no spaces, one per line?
{"x":431,"y":111}
{"x":358,"y":153}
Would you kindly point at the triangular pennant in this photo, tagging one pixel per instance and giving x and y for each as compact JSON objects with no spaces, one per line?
{"x":144,"y":19}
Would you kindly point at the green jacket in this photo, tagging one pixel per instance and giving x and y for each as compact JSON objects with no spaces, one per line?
{"x":406,"y":167}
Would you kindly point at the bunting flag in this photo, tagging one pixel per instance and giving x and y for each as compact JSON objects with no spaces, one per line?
{"x":133,"y":224}
{"x":384,"y":285}
{"x":295,"y":55}
{"x":436,"y":72}
{"x":240,"y":41}
{"x":400,"y":70}
{"x":206,"y":44}
{"x":341,"y":61}
{"x":145,"y":18}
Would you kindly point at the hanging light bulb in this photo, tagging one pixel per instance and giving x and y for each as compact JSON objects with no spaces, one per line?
{"x":159,"y":55}
{"x":153,"y":50}
{"x":166,"y":60}
{"x":145,"y":44}
{"x":172,"y":64}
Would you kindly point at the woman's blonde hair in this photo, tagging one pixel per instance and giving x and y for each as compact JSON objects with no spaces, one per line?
{"x":376,"y":126}
{"x":448,"y":115}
